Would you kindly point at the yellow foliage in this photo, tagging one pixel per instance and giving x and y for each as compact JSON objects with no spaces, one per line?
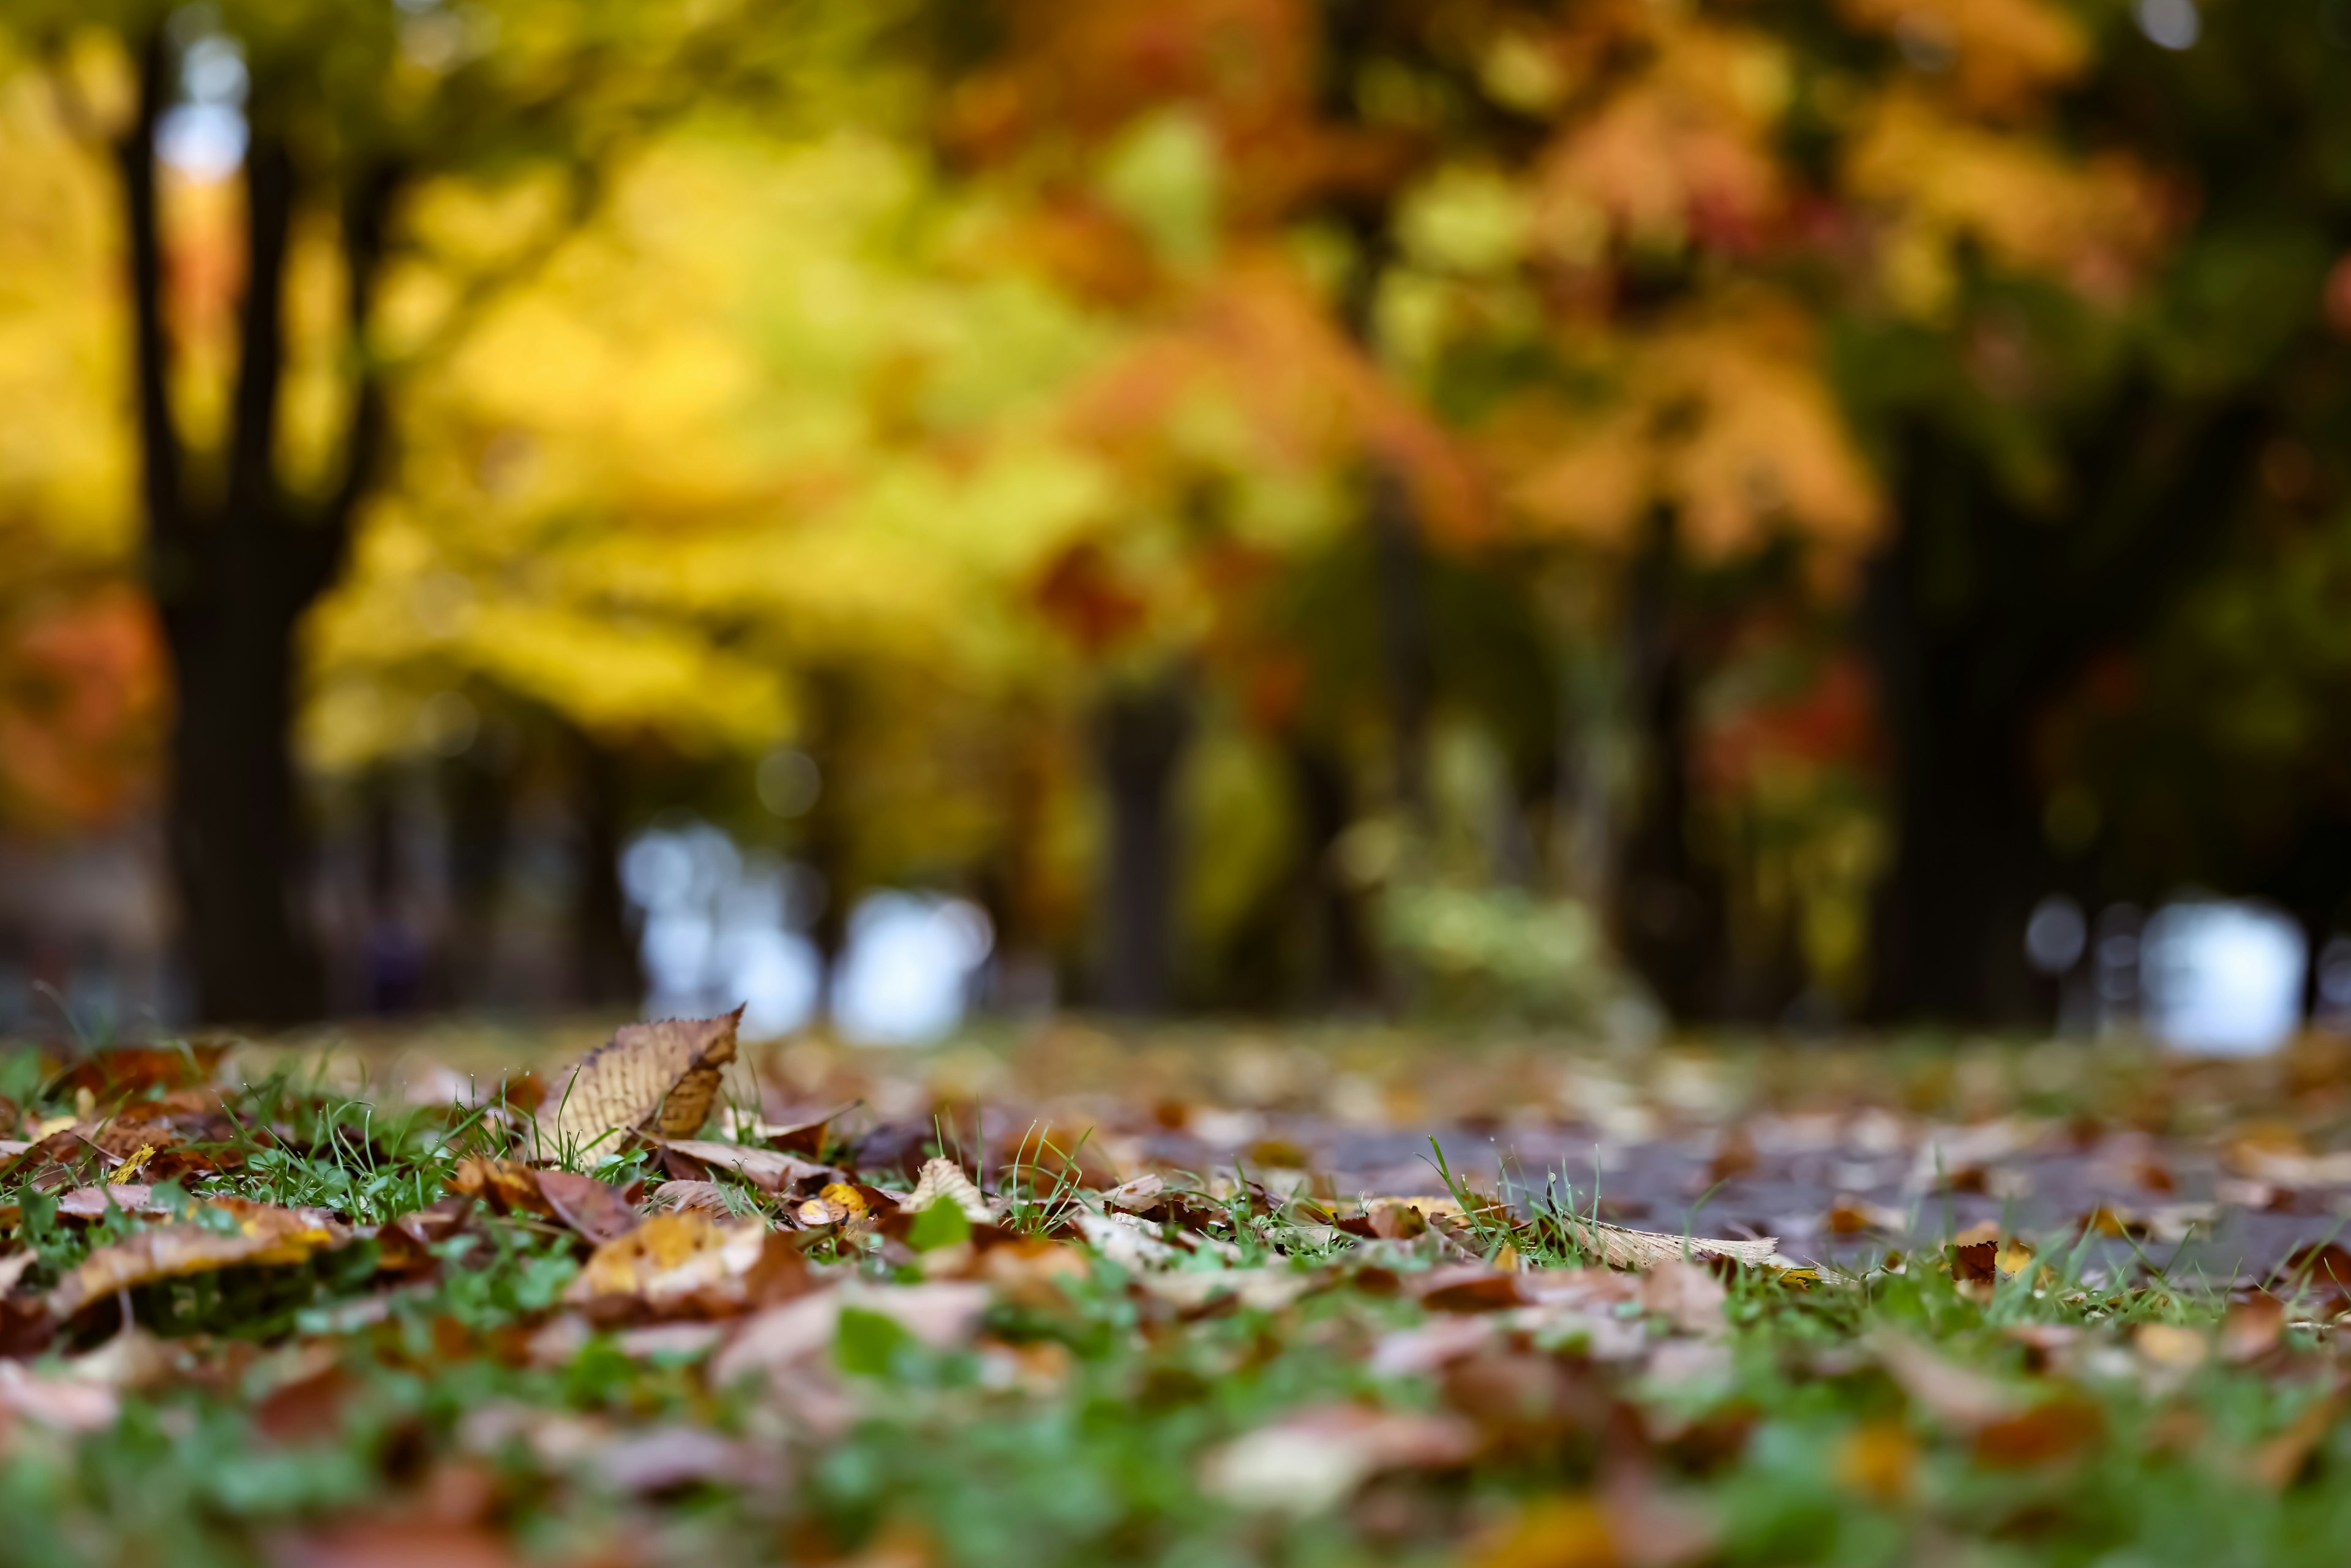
{"x":1724,"y":417}
{"x":1940,"y":181}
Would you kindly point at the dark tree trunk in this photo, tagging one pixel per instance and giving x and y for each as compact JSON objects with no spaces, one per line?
{"x":1406,"y":656}
{"x":607,"y":971}
{"x":1336,"y":967}
{"x":481,"y":832}
{"x":1141,"y":735}
{"x":233,"y":574}
{"x":1978,"y":613}
{"x":1669,"y":915}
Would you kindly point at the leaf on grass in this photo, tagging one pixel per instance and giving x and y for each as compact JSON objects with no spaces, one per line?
{"x":707,"y":1196}
{"x":941,"y":1315}
{"x":658,"y":1075}
{"x":2049,"y":1433}
{"x":804,"y":1135}
{"x":264,"y":1236}
{"x":596,"y":1210}
{"x":1468,"y":1288}
{"x":93,"y":1202}
{"x":1554,"y":1533}
{"x":1686,"y":1295}
{"x":111,"y":1075}
{"x":1955,"y":1394}
{"x":1878,"y":1460}
{"x":1123,"y":1240}
{"x":65,"y":1403}
{"x":2277,"y":1462}
{"x":943,"y":1181}
{"x":684,"y":1262}
{"x":509,"y":1186}
{"x":2251,"y":1327}
{"x":1313,"y":1459}
{"x":1620,"y":1246}
{"x":771,"y":1170}
{"x":394,"y":1543}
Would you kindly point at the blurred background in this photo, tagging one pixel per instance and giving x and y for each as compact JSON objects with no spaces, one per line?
{"x":1625,"y":515}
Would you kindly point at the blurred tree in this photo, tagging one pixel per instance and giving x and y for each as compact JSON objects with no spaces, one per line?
{"x":332,"y":115}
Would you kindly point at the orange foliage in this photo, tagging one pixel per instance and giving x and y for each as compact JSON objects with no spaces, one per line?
{"x":81,"y":699}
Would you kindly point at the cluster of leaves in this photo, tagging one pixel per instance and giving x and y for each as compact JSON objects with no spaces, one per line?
{"x":318,"y":1332}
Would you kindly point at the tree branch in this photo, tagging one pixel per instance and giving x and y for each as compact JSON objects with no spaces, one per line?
{"x":269,"y":196}
{"x":159,"y":437}
{"x":367,"y":215}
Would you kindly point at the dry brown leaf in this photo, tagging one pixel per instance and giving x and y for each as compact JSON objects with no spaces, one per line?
{"x":1311,"y":1461}
{"x":1878,"y":1460}
{"x":941,"y":1315}
{"x":658,"y":1075}
{"x":1686,"y":1295}
{"x":93,"y":1202}
{"x":2049,"y":1433}
{"x":943,"y":1181}
{"x":707,"y":1196}
{"x":2251,"y":1327}
{"x":672,"y":1258}
{"x":1621,"y":1247}
{"x":67,"y":1404}
{"x":2275,"y":1463}
{"x":510,"y":1187}
{"x":264,"y":1236}
{"x":596,"y":1210}
{"x":771,"y":1170}
{"x":1956,"y":1395}
{"x":1554,"y":1533}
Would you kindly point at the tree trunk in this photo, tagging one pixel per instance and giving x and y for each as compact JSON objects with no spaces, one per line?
{"x":607,"y":970}
{"x":1669,"y":913}
{"x":233,"y":575}
{"x":1979,"y":612}
{"x":1142,"y":736}
{"x":1336,"y":964}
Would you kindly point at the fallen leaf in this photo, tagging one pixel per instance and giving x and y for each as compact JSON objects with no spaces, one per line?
{"x":664,"y":1457}
{"x":393,"y":1543}
{"x":941,"y":1314}
{"x":2251,"y":1327}
{"x":2049,"y":1432}
{"x":1468,"y":1288}
{"x":1686,"y":1295}
{"x":658,"y":1075}
{"x":708,"y":1197}
{"x":2170,"y":1345}
{"x":67,"y":1404}
{"x":2276,"y":1462}
{"x":109,"y":1076}
{"x":1555,"y":1533}
{"x":596,"y":1210}
{"x":93,"y":1202}
{"x":771,"y":1170}
{"x":1955,"y":1394}
{"x":1877,"y":1459}
{"x":264,"y":1236}
{"x":943,"y":1181}
{"x":687,"y":1263}
{"x":1315,"y":1458}
{"x":1621,"y":1246}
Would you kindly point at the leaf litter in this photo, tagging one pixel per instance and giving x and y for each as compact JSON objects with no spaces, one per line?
{"x":680,"y":1310}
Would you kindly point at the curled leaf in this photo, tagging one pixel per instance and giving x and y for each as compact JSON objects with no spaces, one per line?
{"x":264,"y":1235}
{"x":658,"y":1075}
{"x":943,"y":1181}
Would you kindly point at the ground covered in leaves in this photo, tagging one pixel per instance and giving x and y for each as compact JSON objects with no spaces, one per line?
{"x":1183,"y":1300}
